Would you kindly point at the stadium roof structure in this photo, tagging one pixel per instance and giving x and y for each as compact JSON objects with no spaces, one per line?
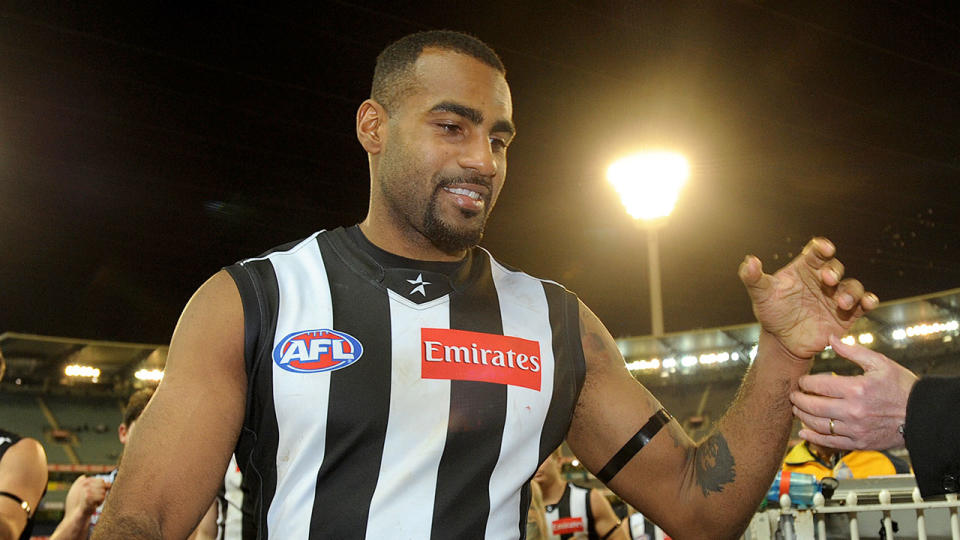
{"x":921,"y":332}
{"x":42,"y":361}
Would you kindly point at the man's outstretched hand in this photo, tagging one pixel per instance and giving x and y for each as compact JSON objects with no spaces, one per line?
{"x":807,"y":301}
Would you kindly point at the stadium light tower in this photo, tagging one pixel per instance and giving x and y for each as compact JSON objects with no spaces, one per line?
{"x":649,"y":185}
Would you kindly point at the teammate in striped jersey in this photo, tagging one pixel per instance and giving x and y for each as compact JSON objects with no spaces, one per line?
{"x":393,"y":380}
{"x":23,"y":480}
{"x":573,"y":511}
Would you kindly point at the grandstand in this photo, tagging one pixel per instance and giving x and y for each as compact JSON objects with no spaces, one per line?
{"x":68,"y":394}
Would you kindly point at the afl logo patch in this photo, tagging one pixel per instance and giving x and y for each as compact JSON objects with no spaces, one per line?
{"x":311,"y":351}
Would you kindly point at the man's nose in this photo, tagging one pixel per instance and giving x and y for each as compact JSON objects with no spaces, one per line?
{"x":478,"y":156}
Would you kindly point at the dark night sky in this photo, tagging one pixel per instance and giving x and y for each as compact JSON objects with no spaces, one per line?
{"x":143,"y":148}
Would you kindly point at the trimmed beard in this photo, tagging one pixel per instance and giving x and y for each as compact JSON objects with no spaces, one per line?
{"x":448,"y":239}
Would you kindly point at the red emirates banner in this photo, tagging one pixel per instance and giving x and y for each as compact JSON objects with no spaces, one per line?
{"x":473,"y":356}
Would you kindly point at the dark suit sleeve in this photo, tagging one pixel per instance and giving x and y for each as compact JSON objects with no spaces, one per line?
{"x":933,"y":434}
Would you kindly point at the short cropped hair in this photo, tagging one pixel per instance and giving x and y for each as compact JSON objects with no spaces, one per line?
{"x":393,"y":74}
{"x":135,"y":405}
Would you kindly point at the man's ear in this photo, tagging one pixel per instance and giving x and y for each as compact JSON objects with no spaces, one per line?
{"x":122,"y":433}
{"x":371,"y":126}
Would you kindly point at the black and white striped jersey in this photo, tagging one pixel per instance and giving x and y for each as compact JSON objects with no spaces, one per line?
{"x":231,"y":519}
{"x":392,"y":398}
{"x":572,"y":515}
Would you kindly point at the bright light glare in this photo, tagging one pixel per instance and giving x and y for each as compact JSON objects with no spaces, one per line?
{"x":932,"y":328}
{"x":669,"y":363}
{"x":649,"y":183}
{"x":865,"y":339}
{"x":714,"y":358}
{"x":636,"y":365}
{"x":149,"y":374}
{"x":688,"y":361}
{"x":849,"y":340}
{"x":75,"y":370}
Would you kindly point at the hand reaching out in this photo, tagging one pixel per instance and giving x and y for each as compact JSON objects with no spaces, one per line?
{"x":866,"y":410}
{"x":807,"y":301}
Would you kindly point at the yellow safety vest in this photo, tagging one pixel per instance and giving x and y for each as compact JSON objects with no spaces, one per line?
{"x":853,"y":464}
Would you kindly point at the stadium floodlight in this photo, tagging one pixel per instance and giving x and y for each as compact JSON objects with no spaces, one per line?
{"x":649,"y":185}
{"x":849,"y":340}
{"x":865,"y":338}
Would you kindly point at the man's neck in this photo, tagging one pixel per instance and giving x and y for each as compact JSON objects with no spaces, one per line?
{"x":411,"y":246}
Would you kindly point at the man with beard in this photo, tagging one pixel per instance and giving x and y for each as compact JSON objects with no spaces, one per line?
{"x":23,"y":480}
{"x":392,"y":380}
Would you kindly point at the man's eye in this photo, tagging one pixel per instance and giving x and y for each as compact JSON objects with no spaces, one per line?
{"x":498,"y":145}
{"x":451,"y":129}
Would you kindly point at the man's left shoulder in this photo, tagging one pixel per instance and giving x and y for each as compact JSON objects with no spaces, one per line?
{"x":513,"y":272}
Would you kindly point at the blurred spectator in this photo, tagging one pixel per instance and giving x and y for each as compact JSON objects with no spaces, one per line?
{"x":85,"y":498}
{"x":823,"y":461}
{"x":23,"y":480}
{"x":536,"y":515}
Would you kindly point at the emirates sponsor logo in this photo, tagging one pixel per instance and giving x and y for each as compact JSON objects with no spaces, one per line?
{"x":474,"y":356}
{"x":569,"y":525}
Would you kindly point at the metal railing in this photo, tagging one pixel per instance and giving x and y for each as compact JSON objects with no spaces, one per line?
{"x":887,"y":507}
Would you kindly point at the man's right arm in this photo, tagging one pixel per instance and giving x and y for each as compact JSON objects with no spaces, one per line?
{"x":174,"y":462}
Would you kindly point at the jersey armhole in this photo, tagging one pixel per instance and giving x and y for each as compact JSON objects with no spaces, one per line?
{"x":250,"y":298}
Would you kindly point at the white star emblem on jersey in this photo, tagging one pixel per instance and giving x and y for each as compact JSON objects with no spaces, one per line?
{"x":419,"y":282}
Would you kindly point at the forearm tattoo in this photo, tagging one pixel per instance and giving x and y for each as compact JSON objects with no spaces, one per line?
{"x":714,"y":465}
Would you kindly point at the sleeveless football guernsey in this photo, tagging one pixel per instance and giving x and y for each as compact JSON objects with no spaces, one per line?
{"x":393,"y":398}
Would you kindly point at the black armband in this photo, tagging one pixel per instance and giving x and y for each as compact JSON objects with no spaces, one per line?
{"x":634,"y":445}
